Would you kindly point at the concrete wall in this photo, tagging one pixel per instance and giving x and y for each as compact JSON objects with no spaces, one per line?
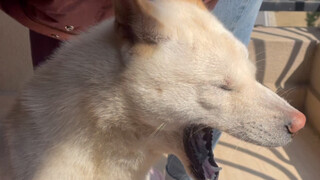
{"x":288,"y":61}
{"x":313,"y":94}
{"x":283,"y":57}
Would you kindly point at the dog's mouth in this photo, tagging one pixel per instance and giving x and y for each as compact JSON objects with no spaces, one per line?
{"x":198,"y":147}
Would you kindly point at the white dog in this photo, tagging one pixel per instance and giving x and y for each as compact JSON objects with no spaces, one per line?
{"x":153,"y":80}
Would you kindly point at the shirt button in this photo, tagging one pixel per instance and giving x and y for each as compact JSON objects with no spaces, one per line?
{"x":55,"y":36}
{"x":69,"y":28}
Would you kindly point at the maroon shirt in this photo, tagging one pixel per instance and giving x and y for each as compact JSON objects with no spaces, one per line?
{"x":61,"y":19}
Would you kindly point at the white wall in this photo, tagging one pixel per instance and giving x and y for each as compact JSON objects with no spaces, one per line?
{"x":15,"y":56}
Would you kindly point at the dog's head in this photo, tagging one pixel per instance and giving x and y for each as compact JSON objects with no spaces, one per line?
{"x":183,"y":68}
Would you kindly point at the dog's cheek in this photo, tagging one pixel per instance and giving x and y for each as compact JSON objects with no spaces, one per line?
{"x":211,"y":98}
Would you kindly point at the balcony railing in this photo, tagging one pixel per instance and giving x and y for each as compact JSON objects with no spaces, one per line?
{"x":312,"y":6}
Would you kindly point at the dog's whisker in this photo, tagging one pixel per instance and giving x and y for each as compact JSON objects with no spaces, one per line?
{"x":291,"y":91}
{"x":159,"y":128}
{"x":260,"y":53}
{"x":287,"y":92}
{"x":198,"y":130}
{"x":290,"y":101}
{"x":278,"y":90}
{"x":260,"y":60}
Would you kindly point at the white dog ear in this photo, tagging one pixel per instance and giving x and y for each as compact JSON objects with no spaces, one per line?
{"x":135,"y":20}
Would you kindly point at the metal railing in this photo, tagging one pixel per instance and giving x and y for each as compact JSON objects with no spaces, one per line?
{"x":312,"y":6}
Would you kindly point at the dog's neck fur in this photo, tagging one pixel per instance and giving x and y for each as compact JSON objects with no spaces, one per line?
{"x":137,"y":148}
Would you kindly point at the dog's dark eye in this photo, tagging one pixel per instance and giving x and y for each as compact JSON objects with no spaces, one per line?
{"x":225,"y":88}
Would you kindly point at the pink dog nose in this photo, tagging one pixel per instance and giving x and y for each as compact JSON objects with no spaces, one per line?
{"x":298,"y":122}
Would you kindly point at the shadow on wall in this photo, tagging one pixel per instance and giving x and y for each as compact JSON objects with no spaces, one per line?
{"x":294,"y":53}
{"x":263,"y":175}
{"x":292,"y":88}
{"x":260,"y":53}
{"x":303,"y":152}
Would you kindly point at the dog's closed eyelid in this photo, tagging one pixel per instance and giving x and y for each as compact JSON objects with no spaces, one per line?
{"x":225,"y":87}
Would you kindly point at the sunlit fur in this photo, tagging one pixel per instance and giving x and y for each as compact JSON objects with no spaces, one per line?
{"x":107,"y":104}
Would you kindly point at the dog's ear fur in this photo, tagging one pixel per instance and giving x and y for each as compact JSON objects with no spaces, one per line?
{"x":135,"y":20}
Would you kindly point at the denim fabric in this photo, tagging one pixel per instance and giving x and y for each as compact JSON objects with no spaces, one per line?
{"x":239,"y":17}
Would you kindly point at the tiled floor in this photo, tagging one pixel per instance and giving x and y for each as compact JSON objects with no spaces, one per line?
{"x":244,"y":161}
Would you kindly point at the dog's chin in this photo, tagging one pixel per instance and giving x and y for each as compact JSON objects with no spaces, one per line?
{"x":269,"y":144}
{"x":280,"y":137}
{"x":277,"y":142}
{"x":197,"y":141}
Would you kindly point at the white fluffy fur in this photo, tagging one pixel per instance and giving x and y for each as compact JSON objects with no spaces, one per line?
{"x":93,"y":110}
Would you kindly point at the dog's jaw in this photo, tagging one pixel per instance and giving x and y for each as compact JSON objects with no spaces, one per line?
{"x":198,"y":148}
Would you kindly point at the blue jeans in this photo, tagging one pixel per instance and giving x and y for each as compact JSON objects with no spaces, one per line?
{"x":238,"y":16}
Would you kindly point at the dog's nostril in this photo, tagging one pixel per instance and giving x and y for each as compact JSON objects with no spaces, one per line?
{"x":289,"y":131}
{"x":288,"y":128}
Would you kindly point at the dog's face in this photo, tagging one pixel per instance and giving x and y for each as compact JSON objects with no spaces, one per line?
{"x":184,"y":68}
